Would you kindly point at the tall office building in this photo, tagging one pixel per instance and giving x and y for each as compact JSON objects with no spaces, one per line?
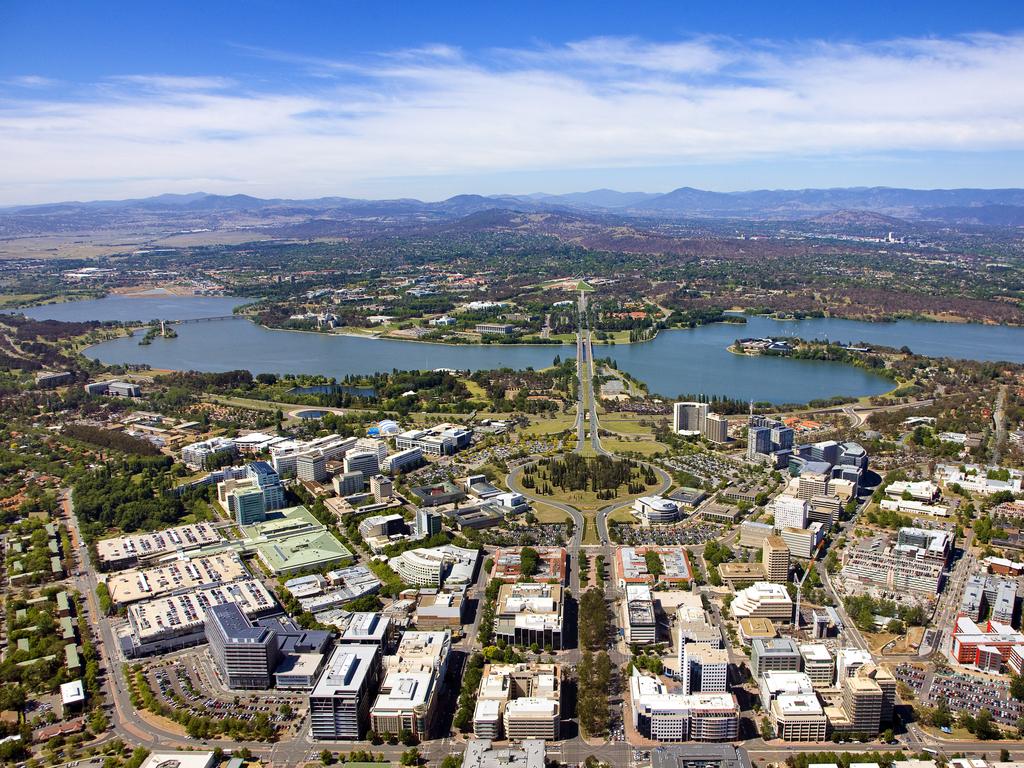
{"x":348,"y":483}
{"x":339,"y":704}
{"x":427,"y":523}
{"x":775,"y":559}
{"x":789,"y":512}
{"x":311,"y":467}
{"x":245,"y":654}
{"x":705,"y":669}
{"x":812,"y":484}
{"x":249,"y":504}
{"x":862,"y":703}
{"x":689,"y":417}
{"x":264,"y":475}
{"x":716,"y":428}
{"x":759,"y":442}
{"x":367,"y":462}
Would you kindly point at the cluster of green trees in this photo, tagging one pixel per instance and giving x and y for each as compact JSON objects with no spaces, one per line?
{"x":654,"y":565}
{"x":471,"y":677}
{"x":863,"y":609}
{"x":593,"y":686}
{"x":594,"y":624}
{"x":108,"y":438}
{"x":130,"y":495}
{"x":843,"y":759}
{"x":573,"y":472}
{"x":485,"y":630}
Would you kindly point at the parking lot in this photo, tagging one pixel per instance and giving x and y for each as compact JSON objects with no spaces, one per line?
{"x":684,"y":534}
{"x":963,"y":692}
{"x":181,"y":685}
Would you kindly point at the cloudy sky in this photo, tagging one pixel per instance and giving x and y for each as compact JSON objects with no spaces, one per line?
{"x":110,"y":100}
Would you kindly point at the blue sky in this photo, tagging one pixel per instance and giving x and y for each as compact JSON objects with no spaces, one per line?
{"x":105,"y":100}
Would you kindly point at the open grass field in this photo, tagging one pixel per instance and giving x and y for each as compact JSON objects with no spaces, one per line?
{"x":621,"y":516}
{"x":475,"y":389}
{"x":643,"y":447}
{"x":628,"y":423}
{"x":590,"y":529}
{"x":547,"y":514}
{"x":543,"y":425}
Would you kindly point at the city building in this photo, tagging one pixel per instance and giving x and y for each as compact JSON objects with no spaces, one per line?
{"x":704,"y":668}
{"x":638,"y":618}
{"x":382,"y":488}
{"x":798,"y":717}
{"x":311,"y":467}
{"x":789,"y":511}
{"x":264,"y":475}
{"x":177,"y":620}
{"x":248,"y":504}
{"x":519,"y":701}
{"x":689,"y":418}
{"x":293,"y":540}
{"x":631,"y":566}
{"x":664,"y":716}
{"x":716,"y":429}
{"x":818,"y":664}
{"x":986,"y":645}
{"x":656,"y":510}
{"x":411,"y":688}
{"x":427,"y":523}
{"x":481,"y":754}
{"x":348,"y":483}
{"x":114,"y":388}
{"x":916,"y":562}
{"x":812,"y":484}
{"x":284,"y":456}
{"x":142,"y":548}
{"x":551,"y":564}
{"x":196,"y":455}
{"x":368,"y":628}
{"x":775,"y":560}
{"x":862,"y":703}
{"x":983,"y":592}
{"x":246,"y":654}
{"x":402,"y":461}
{"x":773,"y":655}
{"x":440,"y":440}
{"x":753,"y":534}
{"x":528,"y":613}
{"x":431,"y":567}
{"x":848,"y":661}
{"x":803,"y":542}
{"x":176,"y":575}
{"x":438,"y":609}
{"x":382,"y":525}
{"x":339,"y":704}
{"x":495,"y":329}
{"x":752,"y":629}
{"x":365,"y":462}
{"x":763,"y":600}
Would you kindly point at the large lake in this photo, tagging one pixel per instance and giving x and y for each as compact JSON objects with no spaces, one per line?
{"x":156,"y":305}
{"x":677,"y":362}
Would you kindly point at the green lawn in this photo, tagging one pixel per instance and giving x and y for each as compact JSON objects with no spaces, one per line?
{"x":627,"y":424}
{"x":621,"y":516}
{"x":643,"y":447}
{"x":542,"y":425}
{"x":547,"y":514}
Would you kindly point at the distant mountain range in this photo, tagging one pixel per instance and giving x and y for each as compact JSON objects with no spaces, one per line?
{"x":854,"y":206}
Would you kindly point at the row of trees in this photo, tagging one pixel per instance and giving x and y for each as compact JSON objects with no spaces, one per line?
{"x":594,"y":625}
{"x":594,"y":681}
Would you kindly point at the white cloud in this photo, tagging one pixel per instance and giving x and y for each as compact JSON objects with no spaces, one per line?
{"x":436,"y":110}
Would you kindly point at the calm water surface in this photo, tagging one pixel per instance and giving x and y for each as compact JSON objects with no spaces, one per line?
{"x":677,"y":362}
